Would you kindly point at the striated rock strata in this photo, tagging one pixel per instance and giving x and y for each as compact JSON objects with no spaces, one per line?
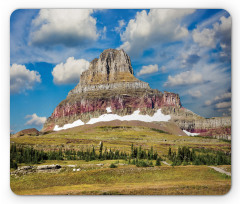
{"x":219,"y":127}
{"x":109,"y":82}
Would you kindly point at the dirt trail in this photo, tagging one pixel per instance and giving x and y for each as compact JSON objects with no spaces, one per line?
{"x":213,"y":167}
{"x":220,"y":170}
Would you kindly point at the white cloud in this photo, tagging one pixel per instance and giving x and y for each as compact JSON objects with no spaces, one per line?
{"x":195,"y":94}
{"x":223,"y":105}
{"x":70,"y":71}
{"x":22,"y":79}
{"x":148,"y":69}
{"x":157,"y":26}
{"x":121,"y":24}
{"x":208,"y":103}
{"x":218,"y":99}
{"x":227,"y":95}
{"x":184,"y":78}
{"x":35,"y":120}
{"x":219,"y":33}
{"x":104,"y":32}
{"x":68,"y":27}
{"x":205,"y":38}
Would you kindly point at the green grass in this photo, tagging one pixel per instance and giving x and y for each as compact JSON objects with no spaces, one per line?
{"x":126,"y":179}
{"x":119,"y":138}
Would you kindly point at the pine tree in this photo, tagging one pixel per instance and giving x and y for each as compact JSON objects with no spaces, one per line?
{"x":158,"y":162}
{"x":100,"y":150}
{"x":169,"y":152}
{"x":132,"y":151}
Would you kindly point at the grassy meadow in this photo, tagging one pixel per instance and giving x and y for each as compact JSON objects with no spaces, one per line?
{"x":97,"y":178}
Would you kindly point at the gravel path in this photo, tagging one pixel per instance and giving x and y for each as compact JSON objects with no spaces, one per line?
{"x":220,"y":170}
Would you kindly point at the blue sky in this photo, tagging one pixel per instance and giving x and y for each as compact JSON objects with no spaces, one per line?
{"x":185,"y":51}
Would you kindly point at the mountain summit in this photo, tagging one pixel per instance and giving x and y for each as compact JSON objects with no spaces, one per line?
{"x":113,"y":70}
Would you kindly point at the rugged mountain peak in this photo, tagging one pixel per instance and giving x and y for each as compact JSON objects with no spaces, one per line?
{"x":109,"y":83}
{"x":112,"y":66}
{"x":112,"y":70}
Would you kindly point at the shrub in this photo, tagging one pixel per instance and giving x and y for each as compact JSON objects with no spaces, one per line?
{"x":113,"y":165}
{"x":142,"y":163}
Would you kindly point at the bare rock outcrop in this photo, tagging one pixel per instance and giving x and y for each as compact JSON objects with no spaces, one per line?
{"x":33,"y":169}
{"x":217,"y":127}
{"x":113,"y":70}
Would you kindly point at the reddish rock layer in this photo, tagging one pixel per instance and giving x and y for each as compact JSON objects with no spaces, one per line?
{"x":85,"y":107}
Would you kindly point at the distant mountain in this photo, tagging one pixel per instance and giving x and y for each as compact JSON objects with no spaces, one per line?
{"x":29,"y":132}
{"x":108,"y":91}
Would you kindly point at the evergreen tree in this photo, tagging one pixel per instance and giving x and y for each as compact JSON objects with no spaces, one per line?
{"x":158,"y":162}
{"x":100,"y":150}
{"x":132,"y":151}
{"x":169,"y":152}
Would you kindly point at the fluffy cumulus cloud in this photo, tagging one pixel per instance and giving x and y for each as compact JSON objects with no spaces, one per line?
{"x":148,"y":69}
{"x":157,"y":26}
{"x":184,"y":78}
{"x":68,"y":27}
{"x":22,"y":79}
{"x":204,"y":37}
{"x":35,"y":120}
{"x":69,"y":72}
{"x":218,"y":35}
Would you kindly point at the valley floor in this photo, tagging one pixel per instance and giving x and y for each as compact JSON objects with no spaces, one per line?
{"x":97,"y":178}
{"x":94,"y":179}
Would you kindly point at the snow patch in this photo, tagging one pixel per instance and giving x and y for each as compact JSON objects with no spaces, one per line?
{"x":66,"y":126}
{"x":157,"y":117}
{"x":190,"y":133}
{"x":109,"y":110}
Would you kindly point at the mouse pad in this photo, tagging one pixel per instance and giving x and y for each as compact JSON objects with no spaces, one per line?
{"x":120,"y":102}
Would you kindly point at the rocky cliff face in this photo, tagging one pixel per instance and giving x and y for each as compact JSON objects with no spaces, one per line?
{"x":113,"y":70}
{"x":109,"y":82}
{"x":111,"y":67}
{"x":219,"y":127}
